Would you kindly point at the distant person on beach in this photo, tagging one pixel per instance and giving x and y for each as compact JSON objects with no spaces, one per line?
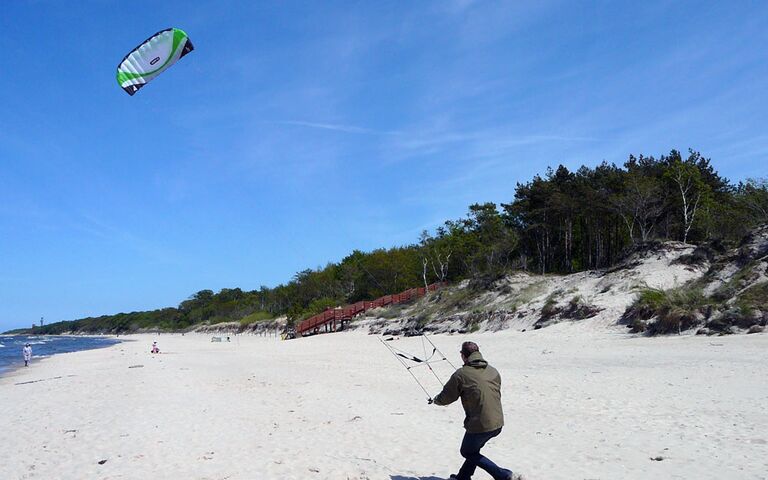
{"x":479,"y":387}
{"x":155,"y":348}
{"x":27,"y":353}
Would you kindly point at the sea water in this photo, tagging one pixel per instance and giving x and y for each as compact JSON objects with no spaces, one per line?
{"x":44,"y":346}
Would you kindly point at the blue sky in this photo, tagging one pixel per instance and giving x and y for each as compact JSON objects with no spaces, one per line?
{"x":297,"y":132}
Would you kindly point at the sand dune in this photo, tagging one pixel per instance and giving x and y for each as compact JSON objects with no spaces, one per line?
{"x":579,"y":405}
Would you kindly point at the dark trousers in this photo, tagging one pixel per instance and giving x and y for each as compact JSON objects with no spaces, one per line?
{"x":470,"y":450}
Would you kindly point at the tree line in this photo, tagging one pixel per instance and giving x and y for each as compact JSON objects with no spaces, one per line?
{"x":562,"y":222}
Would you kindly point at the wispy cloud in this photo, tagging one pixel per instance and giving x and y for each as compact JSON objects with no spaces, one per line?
{"x":482,"y":143}
{"x":98,"y":228}
{"x":335,"y":127}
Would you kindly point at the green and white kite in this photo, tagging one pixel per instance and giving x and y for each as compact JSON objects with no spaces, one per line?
{"x":152,"y":58}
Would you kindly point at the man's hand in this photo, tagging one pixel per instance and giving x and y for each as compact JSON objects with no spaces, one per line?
{"x":430,"y":401}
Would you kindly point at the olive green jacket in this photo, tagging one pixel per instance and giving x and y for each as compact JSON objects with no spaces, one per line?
{"x":479,"y":387}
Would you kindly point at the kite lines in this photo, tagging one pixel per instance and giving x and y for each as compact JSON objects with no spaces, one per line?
{"x":432,"y":355}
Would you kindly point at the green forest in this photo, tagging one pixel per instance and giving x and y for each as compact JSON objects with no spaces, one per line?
{"x":562,"y":222}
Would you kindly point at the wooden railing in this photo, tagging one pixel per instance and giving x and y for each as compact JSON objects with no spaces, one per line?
{"x":329,"y":320}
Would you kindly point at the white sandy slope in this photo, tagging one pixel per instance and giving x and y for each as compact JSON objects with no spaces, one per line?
{"x":609,"y":292}
{"x":578,"y":405}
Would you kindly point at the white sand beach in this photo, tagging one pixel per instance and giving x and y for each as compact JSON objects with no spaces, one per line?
{"x":578,"y":404}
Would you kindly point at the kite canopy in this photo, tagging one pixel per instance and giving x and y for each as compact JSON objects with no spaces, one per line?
{"x":152,"y":58}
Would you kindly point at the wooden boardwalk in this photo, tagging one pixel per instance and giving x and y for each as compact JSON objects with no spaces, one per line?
{"x":333,"y":318}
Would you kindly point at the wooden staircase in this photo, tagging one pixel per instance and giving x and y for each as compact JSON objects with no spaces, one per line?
{"x":333,"y":319}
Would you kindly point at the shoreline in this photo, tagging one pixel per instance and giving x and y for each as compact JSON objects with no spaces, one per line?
{"x":13,"y":368}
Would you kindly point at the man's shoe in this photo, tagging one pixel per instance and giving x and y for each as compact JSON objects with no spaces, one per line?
{"x":512,"y":476}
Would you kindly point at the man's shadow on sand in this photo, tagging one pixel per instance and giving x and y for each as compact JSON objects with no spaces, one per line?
{"x":408,"y":477}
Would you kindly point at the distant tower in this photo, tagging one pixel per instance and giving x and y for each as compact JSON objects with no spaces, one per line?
{"x":41,"y":322}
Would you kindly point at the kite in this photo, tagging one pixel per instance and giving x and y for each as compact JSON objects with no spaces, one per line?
{"x":152,"y":58}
